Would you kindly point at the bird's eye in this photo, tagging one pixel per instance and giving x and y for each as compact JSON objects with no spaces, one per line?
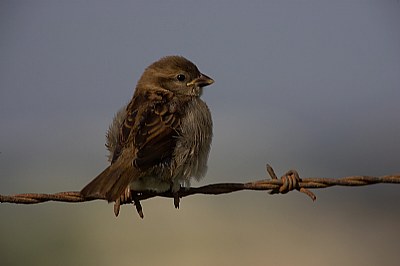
{"x":181,"y":77}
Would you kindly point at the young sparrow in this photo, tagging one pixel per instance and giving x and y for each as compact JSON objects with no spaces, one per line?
{"x":162,"y":138}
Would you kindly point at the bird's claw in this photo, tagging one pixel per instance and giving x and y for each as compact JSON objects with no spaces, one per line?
{"x":126,"y":198}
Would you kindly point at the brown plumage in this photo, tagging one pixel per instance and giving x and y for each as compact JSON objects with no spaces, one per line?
{"x":162,"y":138}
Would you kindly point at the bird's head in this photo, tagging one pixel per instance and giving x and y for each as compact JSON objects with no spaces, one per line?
{"x":176,"y":74}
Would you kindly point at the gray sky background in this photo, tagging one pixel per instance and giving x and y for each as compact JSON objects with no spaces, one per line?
{"x":310,"y":85}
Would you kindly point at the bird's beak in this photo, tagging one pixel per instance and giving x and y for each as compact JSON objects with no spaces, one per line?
{"x":201,"y":81}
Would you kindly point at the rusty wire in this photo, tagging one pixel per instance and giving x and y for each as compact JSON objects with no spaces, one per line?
{"x":286,"y":183}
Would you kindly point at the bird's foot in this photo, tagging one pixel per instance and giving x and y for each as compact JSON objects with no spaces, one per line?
{"x":128,"y":197}
{"x":176,"y":199}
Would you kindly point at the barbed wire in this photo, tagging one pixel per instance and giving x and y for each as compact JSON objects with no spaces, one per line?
{"x":289,"y":181}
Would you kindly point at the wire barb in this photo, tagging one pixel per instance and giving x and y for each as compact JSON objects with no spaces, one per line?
{"x":291,"y":181}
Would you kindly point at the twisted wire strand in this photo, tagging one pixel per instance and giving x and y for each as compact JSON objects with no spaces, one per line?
{"x":286,"y":183}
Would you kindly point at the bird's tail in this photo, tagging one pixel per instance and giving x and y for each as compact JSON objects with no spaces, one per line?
{"x":111,"y":183}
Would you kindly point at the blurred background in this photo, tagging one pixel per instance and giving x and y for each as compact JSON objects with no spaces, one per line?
{"x":309,"y":85}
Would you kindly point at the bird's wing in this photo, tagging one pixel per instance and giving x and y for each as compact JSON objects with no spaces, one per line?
{"x":147,"y":137}
{"x":156,"y":132}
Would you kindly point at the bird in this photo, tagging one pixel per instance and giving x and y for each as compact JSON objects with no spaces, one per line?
{"x":161,"y":139}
